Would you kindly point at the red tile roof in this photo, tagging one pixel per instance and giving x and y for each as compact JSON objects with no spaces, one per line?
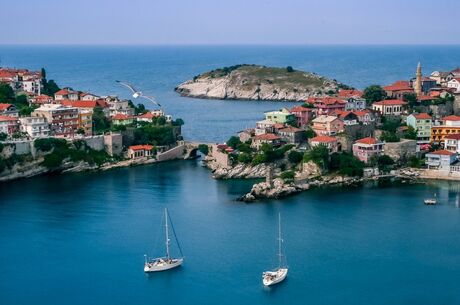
{"x":368,"y":140}
{"x":62,"y":92}
{"x":301,"y":109}
{"x":267,"y":137}
{"x":391,"y":102}
{"x":422,"y":116}
{"x":325,"y":100}
{"x":350,"y":93}
{"x":443,"y":153}
{"x":147,"y":115}
{"x":141,"y":147}
{"x":425,"y":98}
{"x":400,"y":85}
{"x":451,"y":118}
{"x":4,"y":106}
{"x":323,"y":139}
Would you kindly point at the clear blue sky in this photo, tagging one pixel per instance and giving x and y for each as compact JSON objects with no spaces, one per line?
{"x":230,"y":22}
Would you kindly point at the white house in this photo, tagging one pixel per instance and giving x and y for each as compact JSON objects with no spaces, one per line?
{"x":440,"y":159}
{"x":35,"y":126}
{"x":452,"y":143}
{"x":454,"y":83}
{"x":389,"y":107}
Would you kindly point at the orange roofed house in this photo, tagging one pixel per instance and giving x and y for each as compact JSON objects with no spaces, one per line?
{"x":303,"y":115}
{"x":266,"y":138}
{"x":398,"y":89}
{"x":326,"y":105}
{"x":140,"y":151}
{"x":327,"y":125}
{"x":389,"y":107}
{"x":330,"y":143}
{"x":364,"y":149}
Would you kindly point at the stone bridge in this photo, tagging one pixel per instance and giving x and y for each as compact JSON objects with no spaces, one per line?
{"x":191,"y":148}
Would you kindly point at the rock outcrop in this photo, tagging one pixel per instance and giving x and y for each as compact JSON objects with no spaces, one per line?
{"x":253,"y":82}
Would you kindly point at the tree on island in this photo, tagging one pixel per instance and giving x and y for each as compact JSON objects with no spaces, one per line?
{"x":233,"y":142}
{"x":290,"y":69}
{"x":374,"y":93}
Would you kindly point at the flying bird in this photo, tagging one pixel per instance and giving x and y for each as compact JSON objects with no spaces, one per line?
{"x":137,"y":93}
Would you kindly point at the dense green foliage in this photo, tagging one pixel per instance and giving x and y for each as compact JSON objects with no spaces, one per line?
{"x":346,"y":164}
{"x":374,"y":93}
{"x":410,"y":133}
{"x":244,"y":148}
{"x":288,"y":176}
{"x":155,"y":135}
{"x":389,"y":136}
{"x":383,"y":162}
{"x":204,"y":149}
{"x":295,"y":157}
{"x":138,"y":109}
{"x":289,"y":69}
{"x":3,"y":136}
{"x":318,"y":154}
{"x":6,"y":93}
{"x":49,"y":86}
{"x":233,"y":142}
{"x":269,"y":154}
{"x":245,"y":158}
{"x":100,"y":121}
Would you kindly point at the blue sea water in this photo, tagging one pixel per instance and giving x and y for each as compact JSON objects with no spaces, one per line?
{"x":157,"y":70}
{"x":80,"y":238}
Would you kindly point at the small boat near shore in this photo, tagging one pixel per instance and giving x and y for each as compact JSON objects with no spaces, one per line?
{"x":167,"y":262}
{"x":278,"y":275}
{"x":431,"y":201}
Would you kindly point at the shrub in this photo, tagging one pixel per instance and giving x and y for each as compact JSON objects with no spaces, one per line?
{"x":295,"y":157}
{"x":233,"y":142}
{"x":245,"y":158}
{"x":204,"y":149}
{"x":288,"y":175}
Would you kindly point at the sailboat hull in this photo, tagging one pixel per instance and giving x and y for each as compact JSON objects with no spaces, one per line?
{"x":162,"y":264}
{"x":270,"y":278}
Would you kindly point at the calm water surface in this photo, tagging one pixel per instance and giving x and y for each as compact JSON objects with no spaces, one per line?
{"x":80,"y":239}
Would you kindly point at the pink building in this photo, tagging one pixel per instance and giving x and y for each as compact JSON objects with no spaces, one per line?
{"x":365,"y":148}
{"x":327,"y":125}
{"x":303,"y":115}
{"x":327,"y":105}
{"x":9,"y":125}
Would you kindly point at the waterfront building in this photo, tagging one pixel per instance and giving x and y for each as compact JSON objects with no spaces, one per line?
{"x":246,"y":134}
{"x":140,"y":151}
{"x":450,"y":125}
{"x":291,"y":135}
{"x":329,"y":142}
{"x":85,"y":120}
{"x":66,"y":94}
{"x":422,"y":123}
{"x":8,"y":110}
{"x":264,"y":126}
{"x":327,"y":125}
{"x":304,"y":115}
{"x":452,"y":143}
{"x":22,"y":80}
{"x":283,"y":116}
{"x":266,"y":138}
{"x":364,"y":149}
{"x":148,"y":116}
{"x":34,"y":126}
{"x":389,"y":107}
{"x":398,"y":89}
{"x":64,"y":121}
{"x":454,"y":84}
{"x":9,"y":125}
{"x":326,"y":105}
{"x":117,"y":106}
{"x":440,"y":159}
{"x":122,"y":119}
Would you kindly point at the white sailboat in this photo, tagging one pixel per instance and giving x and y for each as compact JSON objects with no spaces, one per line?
{"x":279,"y":274}
{"x":166,"y":262}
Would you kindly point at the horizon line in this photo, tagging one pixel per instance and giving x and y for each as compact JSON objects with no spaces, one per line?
{"x":225,"y":44}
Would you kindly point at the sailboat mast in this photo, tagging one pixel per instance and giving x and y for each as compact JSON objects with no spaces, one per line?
{"x":279,"y":239}
{"x":167,"y":233}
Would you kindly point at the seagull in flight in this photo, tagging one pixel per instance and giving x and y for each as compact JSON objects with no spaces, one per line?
{"x":136,"y":93}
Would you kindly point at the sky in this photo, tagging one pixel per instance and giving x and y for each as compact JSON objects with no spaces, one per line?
{"x":192,"y":22}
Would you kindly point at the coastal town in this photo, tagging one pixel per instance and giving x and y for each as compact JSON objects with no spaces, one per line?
{"x":411,"y":123}
{"x":45,"y":128}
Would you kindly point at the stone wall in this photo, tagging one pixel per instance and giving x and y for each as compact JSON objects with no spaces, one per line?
{"x":17,"y":147}
{"x":95,"y":142}
{"x":219,"y":157}
{"x":113,"y":144}
{"x":401,"y":150}
{"x":174,"y":153}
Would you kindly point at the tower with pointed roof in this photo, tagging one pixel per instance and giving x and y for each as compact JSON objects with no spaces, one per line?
{"x":418,"y":80}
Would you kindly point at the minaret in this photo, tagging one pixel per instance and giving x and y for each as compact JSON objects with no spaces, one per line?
{"x":418,"y":80}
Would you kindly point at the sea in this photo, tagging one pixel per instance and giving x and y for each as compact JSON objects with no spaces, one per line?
{"x":81,"y":238}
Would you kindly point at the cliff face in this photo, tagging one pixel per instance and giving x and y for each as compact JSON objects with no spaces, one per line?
{"x":252,"y":82}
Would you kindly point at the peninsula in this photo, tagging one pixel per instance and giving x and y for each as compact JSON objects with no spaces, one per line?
{"x":255,"y":82}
